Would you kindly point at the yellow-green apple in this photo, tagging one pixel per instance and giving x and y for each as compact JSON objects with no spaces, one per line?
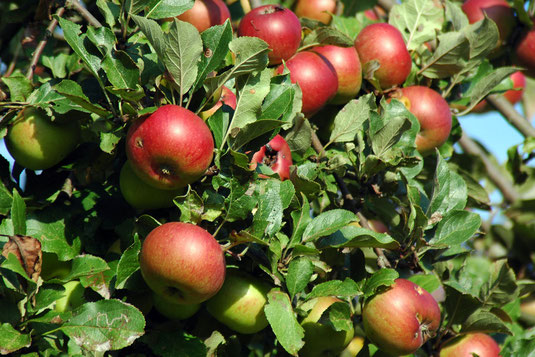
{"x":141,"y":195}
{"x":320,"y":10}
{"x":38,"y":143}
{"x":169,"y":308}
{"x":240,"y":303}
{"x":169,"y":148}
{"x":277,"y":155}
{"x":353,"y":348}
{"x":346,"y":63}
{"x":52,"y":267}
{"x":319,"y":338}
{"x":383,"y":43}
{"x":472,"y":344}
{"x":498,"y":11}
{"x":277,"y":26}
{"x":182,"y":262}
{"x":206,"y":13}
{"x":525,"y":51}
{"x":227,"y":97}
{"x":401,"y":318}
{"x":72,"y":298}
{"x":315,"y":76}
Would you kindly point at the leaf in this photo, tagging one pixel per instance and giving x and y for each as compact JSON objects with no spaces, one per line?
{"x":160,"y":9}
{"x":449,"y":190}
{"x":327,"y":223}
{"x":327,"y":35}
{"x":351,"y":118}
{"x":501,"y":287}
{"x":340,"y":317}
{"x":12,"y":340}
{"x":283,"y":322}
{"x":109,"y":10}
{"x":240,"y":201}
{"x":172,"y":343}
{"x":74,"y":92}
{"x":353,"y":236}
{"x":27,"y":250}
{"x":282,"y":100}
{"x":19,"y":87}
{"x":218,"y":124}
{"x":346,"y":288}
{"x":253,"y":130}
{"x":121,"y":70}
{"x":383,"y":277}
{"x":299,"y":273}
{"x":484,"y":321}
{"x":455,"y":228}
{"x":300,"y":219}
{"x":459,"y":304}
{"x":104,"y":325}
{"x":386,"y":137}
{"x":18,"y":214}
{"x":85,"y":265}
{"x":276,"y":197}
{"x":6,"y":200}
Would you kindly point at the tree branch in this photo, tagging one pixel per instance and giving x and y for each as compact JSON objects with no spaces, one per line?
{"x":386,"y":4}
{"x":512,"y":116}
{"x":75,"y":4}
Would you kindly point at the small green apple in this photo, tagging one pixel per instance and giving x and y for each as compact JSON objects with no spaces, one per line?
{"x":73,"y":297}
{"x":52,"y":267}
{"x":240,"y":303}
{"x":169,"y":308}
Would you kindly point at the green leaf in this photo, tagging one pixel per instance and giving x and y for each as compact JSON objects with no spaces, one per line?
{"x":449,"y":190}
{"x":501,"y":287}
{"x":327,"y":35}
{"x":353,"y":236}
{"x":121,"y":70}
{"x":128,"y":263}
{"x":84,"y":265}
{"x":6,"y":200}
{"x":429,"y":282}
{"x":346,"y":288}
{"x":19,"y":87}
{"x":13,"y":263}
{"x":383,"y":277}
{"x":351,"y":119}
{"x":191,"y":207}
{"x":109,"y":10}
{"x":57,"y":64}
{"x":105,"y":325}
{"x":299,"y":273}
{"x":455,"y":228}
{"x":12,"y":340}
{"x":218,"y":124}
{"x":283,"y":322}
{"x":386,"y":137}
{"x":327,"y":223}
{"x":47,"y":294}
{"x":74,"y":92}
{"x":276,"y":197}
{"x":160,"y":9}
{"x":172,"y":343}
{"x":340,"y":317}
{"x":18,"y":214}
{"x":484,"y":321}
{"x":300,"y":218}
{"x":459,"y":304}
{"x":109,"y":140}
{"x":283,"y":99}
{"x":455,"y":15}
{"x":250,"y":131}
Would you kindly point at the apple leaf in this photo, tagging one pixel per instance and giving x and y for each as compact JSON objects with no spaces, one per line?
{"x":300,"y":218}
{"x":501,"y":287}
{"x":12,"y":340}
{"x":455,"y":228}
{"x":381,"y":278}
{"x":19,"y":87}
{"x":253,"y":130}
{"x":484,"y":321}
{"x":303,"y":178}
{"x":447,"y":184}
{"x":128,"y":263}
{"x":283,"y":322}
{"x":327,"y":35}
{"x":340,"y":317}
{"x":459,"y":304}
{"x":218,"y":124}
{"x":18,"y":214}
{"x":299,"y":273}
{"x":429,"y":282}
{"x":352,"y":118}
{"x":455,"y":15}
{"x":6,"y":199}
{"x":109,"y":10}
{"x":160,"y":9}
{"x":283,"y":99}
{"x":105,"y":325}
{"x":327,"y":223}
{"x":84,"y":265}
{"x":121,"y":70}
{"x":73,"y":91}
{"x":172,"y":343}
{"x":191,"y":207}
{"x":47,"y":294}
{"x":386,"y":137}
{"x":240,"y":201}
{"x":350,"y":26}
{"x":353,"y":236}
{"x":346,"y":288}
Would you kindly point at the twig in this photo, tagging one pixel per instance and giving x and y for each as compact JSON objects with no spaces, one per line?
{"x":512,"y":116}
{"x":509,"y":192}
{"x":75,"y":4}
{"x":41,"y":45}
{"x":13,"y":63}
{"x":386,"y":4}
{"x":245,"y":5}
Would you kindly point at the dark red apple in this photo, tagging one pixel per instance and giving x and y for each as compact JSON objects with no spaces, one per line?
{"x":498,"y":11}
{"x":346,"y":63}
{"x":320,"y":10}
{"x":400,"y":319}
{"x":206,"y":13}
{"x":170,"y":148}
{"x":277,"y":155}
{"x":276,"y":25}
{"x":383,"y":43}
{"x":316,"y":77}
{"x":472,"y":344}
{"x":525,"y":52}
{"x":227,"y":97}
{"x":182,"y":262}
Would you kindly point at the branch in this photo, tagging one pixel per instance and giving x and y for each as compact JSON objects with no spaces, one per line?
{"x":75,"y":4}
{"x":245,"y":5}
{"x":386,"y":4}
{"x":512,"y":116}
{"x":509,"y":192}
{"x":255,"y":3}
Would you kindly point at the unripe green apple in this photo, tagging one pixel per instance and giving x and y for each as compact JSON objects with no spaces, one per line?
{"x":37,"y":143}
{"x":240,"y":303}
{"x":73,"y":297}
{"x":354,"y":347}
{"x":172,"y":310}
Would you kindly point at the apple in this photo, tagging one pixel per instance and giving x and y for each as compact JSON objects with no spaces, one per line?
{"x":372,"y":14}
{"x":400,"y":319}
{"x":433,"y":113}
{"x":240,"y":303}
{"x":277,"y":26}
{"x":182,"y":262}
{"x":205,"y":14}
{"x":141,"y":195}
{"x":346,"y":63}
{"x":320,"y":10}
{"x":170,"y":148}
{"x":525,"y":51}
{"x":52,"y":267}
{"x":472,"y":344}
{"x":315,"y":76}
{"x":383,"y":43}
{"x":378,"y":226}
{"x":498,"y":11}
{"x":353,"y":348}
{"x":512,"y":95}
{"x":277,"y":155}
{"x":227,"y":97}
{"x":321,"y":339}
{"x":169,"y":308}
{"x":38,"y":143}
{"x":72,"y":298}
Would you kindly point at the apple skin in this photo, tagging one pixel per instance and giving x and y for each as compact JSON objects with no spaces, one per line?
{"x":170,"y":148}
{"x":353,"y":348}
{"x":525,"y":52}
{"x":277,"y":155}
{"x":227,"y":97}
{"x":320,"y":339}
{"x":37,"y":143}
{"x":183,"y":262}
{"x":346,"y":63}
{"x":383,"y":42}
{"x":469,"y":345}
{"x":206,"y":13}
{"x":315,"y":76}
{"x":399,"y":320}
{"x":173,"y":311}
{"x":277,"y":26}
{"x":141,"y":195}
{"x":73,"y":297}
{"x":498,"y":11}
{"x":240,"y":303}
{"x":320,"y":10}
{"x":433,"y":113}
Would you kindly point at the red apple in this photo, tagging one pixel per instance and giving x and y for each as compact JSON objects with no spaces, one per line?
{"x":170,"y":148}
{"x":276,"y":25}
{"x":227,"y":97}
{"x":383,"y":43}
{"x":469,"y":345}
{"x":346,"y":63}
{"x":498,"y":11}
{"x":525,"y":52}
{"x":373,"y":14}
{"x":320,"y":10}
{"x":519,"y":83}
{"x":182,"y":262}
{"x":277,"y":155}
{"x":206,"y":13}
{"x":316,"y":78}
{"x":433,"y":113}
{"x":400,"y":319}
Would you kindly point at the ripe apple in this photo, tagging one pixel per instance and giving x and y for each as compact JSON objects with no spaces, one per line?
{"x":170,"y":148}
{"x":37,"y":143}
{"x":433,"y":113}
{"x":525,"y":51}
{"x":141,"y":195}
{"x":240,"y":303}
{"x":319,"y":338}
{"x":227,"y":97}
{"x":498,"y":11}
{"x":72,"y":298}
{"x":472,"y":344}
{"x":400,"y":319}
{"x":315,"y":76}
{"x":372,"y":14}
{"x":52,"y":267}
{"x":277,"y":155}
{"x":183,"y":262}
{"x":169,"y":308}
{"x":383,"y":43}
{"x":320,"y":10}
{"x":346,"y":63}
{"x":276,"y":25}
{"x":205,"y":14}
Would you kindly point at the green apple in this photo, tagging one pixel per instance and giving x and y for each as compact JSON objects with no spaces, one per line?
{"x":52,"y":267}
{"x":37,"y":143}
{"x":73,"y":297}
{"x":169,"y":308}
{"x":320,"y":338}
{"x":141,"y":195}
{"x":240,"y":303}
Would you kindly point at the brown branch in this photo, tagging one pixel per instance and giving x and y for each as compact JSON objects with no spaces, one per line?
{"x":386,"y":4}
{"x":513,"y":117}
{"x":75,"y":5}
